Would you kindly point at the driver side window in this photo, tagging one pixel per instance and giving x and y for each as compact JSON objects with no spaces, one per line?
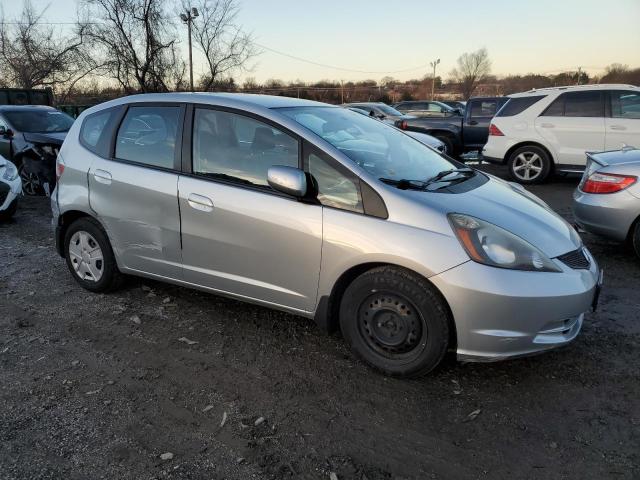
{"x":337,"y":188}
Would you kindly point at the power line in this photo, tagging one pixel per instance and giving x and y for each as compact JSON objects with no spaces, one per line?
{"x":333,"y":67}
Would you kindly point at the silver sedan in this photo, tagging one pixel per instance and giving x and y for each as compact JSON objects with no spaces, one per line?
{"x":607,"y":201}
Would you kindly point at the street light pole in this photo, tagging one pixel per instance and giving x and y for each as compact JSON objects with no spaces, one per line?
{"x":433,"y":80}
{"x":188,"y":18}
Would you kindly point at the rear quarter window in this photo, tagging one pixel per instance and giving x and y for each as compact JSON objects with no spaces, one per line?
{"x":96,"y":130}
{"x":516,"y":106}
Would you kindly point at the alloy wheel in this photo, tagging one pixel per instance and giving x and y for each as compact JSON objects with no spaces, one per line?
{"x":31,"y":184}
{"x":528,"y":166}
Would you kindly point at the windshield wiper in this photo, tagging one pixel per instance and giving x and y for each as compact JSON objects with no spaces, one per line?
{"x":404,"y":184}
{"x":466,"y":172}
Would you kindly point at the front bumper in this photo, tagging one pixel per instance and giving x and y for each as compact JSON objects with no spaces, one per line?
{"x":9,"y":192}
{"x":610,"y":215}
{"x":502,"y":313}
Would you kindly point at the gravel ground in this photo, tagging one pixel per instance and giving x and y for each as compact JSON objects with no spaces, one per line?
{"x":157,"y":381}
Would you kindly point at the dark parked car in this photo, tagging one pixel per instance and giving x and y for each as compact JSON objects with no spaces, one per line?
{"x":455,"y":104}
{"x":460,"y":132}
{"x":31,"y":136}
{"x":379,"y":110}
{"x":424,"y":108}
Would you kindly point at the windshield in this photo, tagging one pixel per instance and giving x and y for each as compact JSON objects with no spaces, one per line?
{"x":39,"y":121}
{"x":390,"y":111}
{"x":381,"y":150}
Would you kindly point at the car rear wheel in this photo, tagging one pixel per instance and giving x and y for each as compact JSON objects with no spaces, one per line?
{"x":89,"y":256}
{"x":396,"y":321}
{"x":529,"y":165}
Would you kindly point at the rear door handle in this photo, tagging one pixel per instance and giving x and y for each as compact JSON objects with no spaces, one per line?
{"x":618,"y":127}
{"x":547,"y":125}
{"x":200,"y":202}
{"x":102,"y":176}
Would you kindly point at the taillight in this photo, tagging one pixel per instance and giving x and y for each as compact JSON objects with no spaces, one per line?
{"x":403,"y":125}
{"x":59,"y":168}
{"x":607,"y":183}
{"x":495,"y":131}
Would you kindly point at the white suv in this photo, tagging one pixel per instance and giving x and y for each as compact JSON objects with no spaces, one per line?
{"x":550,"y":129}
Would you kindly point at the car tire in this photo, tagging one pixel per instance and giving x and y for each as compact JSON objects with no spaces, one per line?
{"x":89,"y":256}
{"x":635,"y":240}
{"x":396,"y":321}
{"x":31,"y":183}
{"x":529,"y":165}
{"x":10,"y":211}
{"x":448,"y":144}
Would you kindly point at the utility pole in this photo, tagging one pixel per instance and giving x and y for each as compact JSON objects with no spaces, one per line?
{"x":342,"y":91}
{"x":579,"y":73}
{"x":433,"y":80}
{"x":187,"y":18}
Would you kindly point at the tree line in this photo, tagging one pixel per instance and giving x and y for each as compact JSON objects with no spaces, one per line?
{"x":121,"y":47}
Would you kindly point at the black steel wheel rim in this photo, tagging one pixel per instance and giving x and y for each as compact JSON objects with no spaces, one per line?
{"x":31,"y":184}
{"x":391,"y":325}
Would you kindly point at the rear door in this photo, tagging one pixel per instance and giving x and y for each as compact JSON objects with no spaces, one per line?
{"x":239,"y":235}
{"x":623,"y":121}
{"x":572,"y":125}
{"x":478,"y":115}
{"x":135,"y":191}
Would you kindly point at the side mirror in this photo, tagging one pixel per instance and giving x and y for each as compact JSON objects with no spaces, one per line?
{"x":289,"y":180}
{"x":3,"y":130}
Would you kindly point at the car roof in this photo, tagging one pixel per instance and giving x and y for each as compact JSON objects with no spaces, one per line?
{"x":574,"y":88}
{"x":24,"y":108}
{"x":230,"y":99}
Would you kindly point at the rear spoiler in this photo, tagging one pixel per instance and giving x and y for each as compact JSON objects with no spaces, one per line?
{"x":594,"y":156}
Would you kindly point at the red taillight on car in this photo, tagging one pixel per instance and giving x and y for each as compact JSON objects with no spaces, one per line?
{"x":607,"y":183}
{"x":495,"y":131}
{"x":403,"y":125}
{"x":59,"y":168}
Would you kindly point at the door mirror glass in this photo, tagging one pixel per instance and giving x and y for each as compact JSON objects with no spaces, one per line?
{"x":289,"y":180}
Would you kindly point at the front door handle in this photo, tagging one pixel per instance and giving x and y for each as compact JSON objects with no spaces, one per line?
{"x":618,"y":127}
{"x":547,"y":125}
{"x":200,"y":202}
{"x":473,"y":122}
{"x":102,"y":176}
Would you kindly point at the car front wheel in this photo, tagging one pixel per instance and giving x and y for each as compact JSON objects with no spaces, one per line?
{"x":396,"y":321}
{"x":529,"y":165}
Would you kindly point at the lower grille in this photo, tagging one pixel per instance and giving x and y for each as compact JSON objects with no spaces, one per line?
{"x":576,"y":260}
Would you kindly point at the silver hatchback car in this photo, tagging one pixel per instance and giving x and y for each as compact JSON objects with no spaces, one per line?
{"x":325,"y":213}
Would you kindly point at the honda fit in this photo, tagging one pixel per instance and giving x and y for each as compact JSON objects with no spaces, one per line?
{"x":325,"y":213}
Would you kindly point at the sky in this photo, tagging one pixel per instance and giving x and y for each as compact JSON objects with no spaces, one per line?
{"x":399,"y":39}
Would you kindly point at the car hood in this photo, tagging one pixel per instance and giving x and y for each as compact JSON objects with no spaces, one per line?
{"x":49,"y":138}
{"x":512,"y":208}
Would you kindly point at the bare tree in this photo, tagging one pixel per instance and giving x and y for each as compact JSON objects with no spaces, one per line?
{"x":136,"y":42}
{"x":33,"y":54}
{"x":226,"y":47}
{"x":471,"y":70}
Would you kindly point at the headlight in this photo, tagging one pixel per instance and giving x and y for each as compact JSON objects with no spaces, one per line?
{"x":10,"y":172}
{"x":491,"y":245}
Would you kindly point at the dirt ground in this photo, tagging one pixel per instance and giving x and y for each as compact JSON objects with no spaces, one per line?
{"x":100,"y":386}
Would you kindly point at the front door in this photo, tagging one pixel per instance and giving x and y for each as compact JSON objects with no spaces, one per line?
{"x":135,"y":194}
{"x":623,"y":126}
{"x":572,"y":125}
{"x":479,"y":113}
{"x":240,"y":236}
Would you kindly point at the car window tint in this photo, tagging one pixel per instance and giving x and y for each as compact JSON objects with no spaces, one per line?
{"x":148,"y":135}
{"x":556,"y":109}
{"x":434,"y":107}
{"x":483,"y":108}
{"x":583,"y":104}
{"x":92,"y":129}
{"x":625,"y":104}
{"x":237,"y":147}
{"x":515,"y":106}
{"x":335,"y":189}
